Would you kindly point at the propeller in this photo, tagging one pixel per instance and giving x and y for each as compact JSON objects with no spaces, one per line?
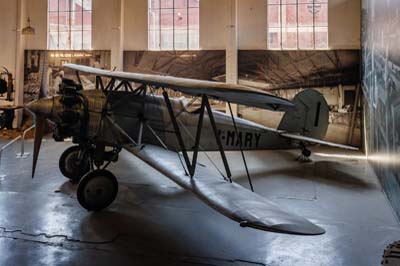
{"x":43,"y":84}
{"x":41,"y":120}
{"x":39,"y":132}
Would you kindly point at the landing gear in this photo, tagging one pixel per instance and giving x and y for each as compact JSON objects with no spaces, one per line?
{"x":74,"y":164}
{"x":97,"y":190}
{"x":99,"y":187}
{"x":305,"y":155}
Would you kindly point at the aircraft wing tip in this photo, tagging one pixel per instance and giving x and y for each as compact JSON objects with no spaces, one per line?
{"x":292,"y":228}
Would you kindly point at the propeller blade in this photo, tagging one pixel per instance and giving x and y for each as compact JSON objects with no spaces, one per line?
{"x":43,"y":85}
{"x":39,"y":132}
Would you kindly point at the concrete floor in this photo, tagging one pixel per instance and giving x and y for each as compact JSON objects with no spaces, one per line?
{"x":154,"y":222}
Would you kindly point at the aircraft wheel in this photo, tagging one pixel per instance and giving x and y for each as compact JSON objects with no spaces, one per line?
{"x":306,"y":153}
{"x":71,"y":167}
{"x":97,"y":190}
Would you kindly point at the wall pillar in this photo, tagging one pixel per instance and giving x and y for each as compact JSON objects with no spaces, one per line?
{"x":117,"y":48}
{"x":19,"y":61}
{"x":232,"y":49}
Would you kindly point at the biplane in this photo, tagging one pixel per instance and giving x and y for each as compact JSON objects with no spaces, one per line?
{"x":124,"y":112}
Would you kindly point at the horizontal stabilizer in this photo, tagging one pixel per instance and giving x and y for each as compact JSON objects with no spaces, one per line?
{"x":230,"y":199}
{"x":317,"y":141}
{"x":216,"y":90}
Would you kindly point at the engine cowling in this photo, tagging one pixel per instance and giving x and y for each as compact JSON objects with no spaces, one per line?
{"x":72,"y":112}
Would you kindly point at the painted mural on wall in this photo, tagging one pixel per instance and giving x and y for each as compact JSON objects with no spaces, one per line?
{"x":266,"y":70}
{"x":33,"y":69}
{"x":294,"y":69}
{"x":205,"y":65}
{"x":381,"y":85}
{"x":335,"y":73}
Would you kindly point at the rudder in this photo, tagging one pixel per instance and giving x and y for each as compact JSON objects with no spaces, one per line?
{"x":311,"y":116}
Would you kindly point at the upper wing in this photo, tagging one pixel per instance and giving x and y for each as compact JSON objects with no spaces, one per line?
{"x":230,"y":199}
{"x":216,"y":90}
{"x":316,"y":141}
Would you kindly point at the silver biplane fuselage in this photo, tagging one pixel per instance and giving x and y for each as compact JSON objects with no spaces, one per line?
{"x":129,"y":111}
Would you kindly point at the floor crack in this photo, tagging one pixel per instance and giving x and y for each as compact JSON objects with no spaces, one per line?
{"x":50,"y":236}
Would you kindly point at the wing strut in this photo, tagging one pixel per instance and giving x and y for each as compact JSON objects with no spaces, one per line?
{"x":241,"y":148}
{"x":99,"y":83}
{"x":204,"y":105}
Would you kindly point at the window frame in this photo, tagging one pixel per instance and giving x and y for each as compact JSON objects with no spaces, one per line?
{"x":281,"y":27}
{"x":159,"y":29}
{"x":69,"y":46}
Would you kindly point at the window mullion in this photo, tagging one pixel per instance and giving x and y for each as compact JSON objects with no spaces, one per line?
{"x":281,"y":26}
{"x":58,"y":25}
{"x":70,"y":26}
{"x":313,"y":9}
{"x":170,"y":28}
{"x":82,"y":27}
{"x":297,"y":24}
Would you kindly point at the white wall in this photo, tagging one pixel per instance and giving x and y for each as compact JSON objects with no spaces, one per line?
{"x":214,"y":20}
{"x":252,"y":19}
{"x":8,"y":25}
{"x":344,"y":24}
{"x":107,"y":28}
{"x":344,"y":20}
{"x":105,"y":23}
{"x":135,"y":25}
{"x":37,"y":11}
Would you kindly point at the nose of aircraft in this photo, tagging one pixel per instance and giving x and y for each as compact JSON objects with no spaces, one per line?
{"x":42,"y":107}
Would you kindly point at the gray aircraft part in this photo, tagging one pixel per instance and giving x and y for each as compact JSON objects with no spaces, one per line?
{"x":311,"y":116}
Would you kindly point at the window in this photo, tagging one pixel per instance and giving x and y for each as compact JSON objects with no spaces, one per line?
{"x":297,"y":24}
{"x":70,"y":25}
{"x":173,"y":24}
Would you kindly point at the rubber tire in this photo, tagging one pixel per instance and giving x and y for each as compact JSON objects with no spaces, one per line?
{"x":306,"y":153}
{"x":87,"y":184}
{"x":75,"y":176}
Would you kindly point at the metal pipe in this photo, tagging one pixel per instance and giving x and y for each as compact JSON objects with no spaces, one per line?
{"x":354,"y":116}
{"x":241,"y":148}
{"x":139,"y":141}
{"x":217,"y":139}
{"x":156,"y":136}
{"x":22,"y":154}
{"x":8,"y":145}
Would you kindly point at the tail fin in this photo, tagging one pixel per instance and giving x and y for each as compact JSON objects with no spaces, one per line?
{"x":311,"y":116}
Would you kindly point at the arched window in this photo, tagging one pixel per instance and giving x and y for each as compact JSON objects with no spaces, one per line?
{"x":297,"y":24}
{"x":70,"y":25}
{"x":173,"y":24}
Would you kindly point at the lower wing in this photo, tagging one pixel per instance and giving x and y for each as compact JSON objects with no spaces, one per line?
{"x":316,"y":141}
{"x":230,"y":199}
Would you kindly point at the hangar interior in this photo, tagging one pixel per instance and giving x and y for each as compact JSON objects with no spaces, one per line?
{"x":345,"y":51}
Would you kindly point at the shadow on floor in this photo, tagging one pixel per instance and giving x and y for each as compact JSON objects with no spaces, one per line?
{"x":325,"y":172}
